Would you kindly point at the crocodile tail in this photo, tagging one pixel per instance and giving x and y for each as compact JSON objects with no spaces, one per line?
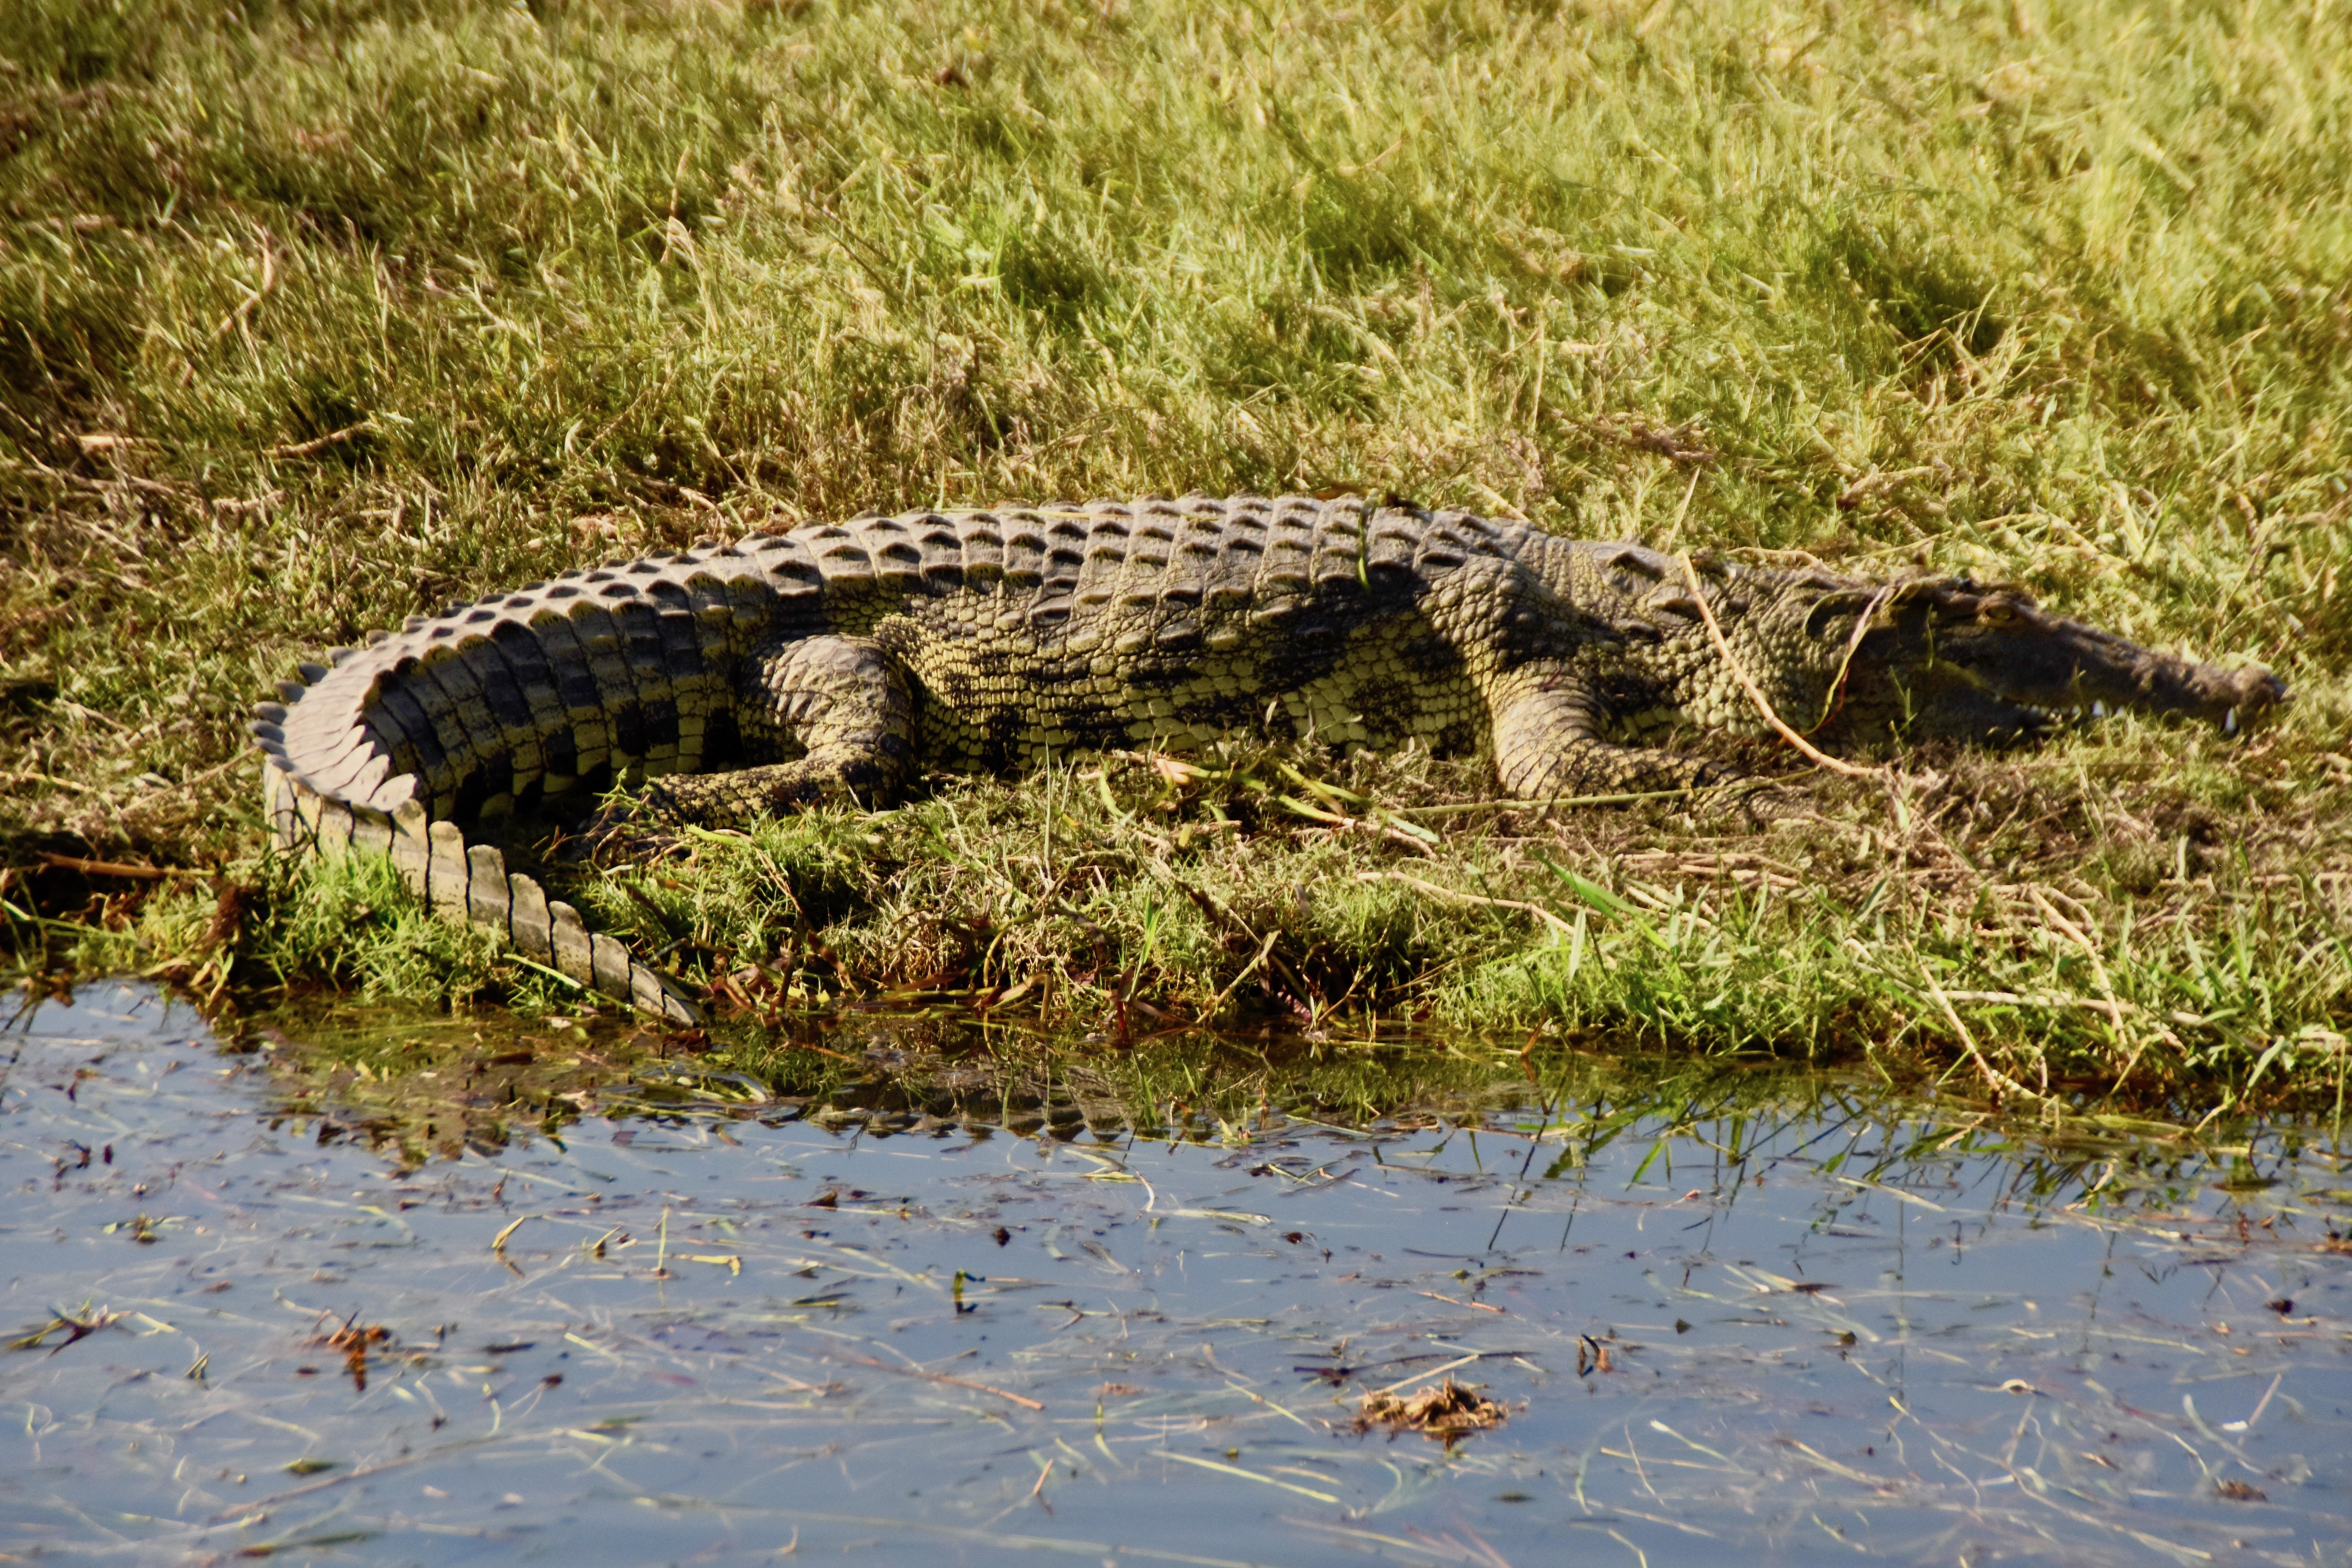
{"x":466,"y":883}
{"x":622,"y":672}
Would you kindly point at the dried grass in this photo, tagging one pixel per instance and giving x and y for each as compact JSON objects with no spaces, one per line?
{"x":313,"y":321}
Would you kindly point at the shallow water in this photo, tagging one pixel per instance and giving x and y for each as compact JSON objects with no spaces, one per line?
{"x":1807,"y":1331}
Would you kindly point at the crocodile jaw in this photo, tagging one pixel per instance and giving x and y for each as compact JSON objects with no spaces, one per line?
{"x":2030,"y":659}
{"x":2026,"y":668}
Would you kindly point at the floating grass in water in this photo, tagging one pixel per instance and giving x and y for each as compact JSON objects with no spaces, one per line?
{"x":1726,"y":1307}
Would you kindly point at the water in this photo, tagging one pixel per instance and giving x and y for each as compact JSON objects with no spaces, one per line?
{"x":1798,"y":1329}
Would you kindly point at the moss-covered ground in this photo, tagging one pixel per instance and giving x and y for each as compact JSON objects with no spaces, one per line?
{"x":319,"y":313}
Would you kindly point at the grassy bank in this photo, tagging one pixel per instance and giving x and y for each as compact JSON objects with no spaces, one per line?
{"x":319,"y":314}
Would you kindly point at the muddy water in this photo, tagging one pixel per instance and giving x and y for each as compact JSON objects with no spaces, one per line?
{"x":1819,"y":1328}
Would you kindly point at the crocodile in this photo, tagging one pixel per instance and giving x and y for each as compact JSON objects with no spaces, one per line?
{"x":841,"y":661}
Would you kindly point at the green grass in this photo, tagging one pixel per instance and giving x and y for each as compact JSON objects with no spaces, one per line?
{"x":321,"y":314}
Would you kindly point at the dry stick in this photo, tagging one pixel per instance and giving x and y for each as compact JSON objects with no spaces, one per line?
{"x":2113,"y":1010}
{"x":1345,"y":823}
{"x":1538,"y":910}
{"x":1862,"y":623}
{"x":1755,"y":693}
{"x":112,"y":868}
{"x":1993,"y":1075}
{"x":27,"y":776}
{"x":1690,"y":492}
{"x":1457,"y":1301}
{"x":499,"y":1242}
{"x":498,"y":1245}
{"x":332,"y":438}
{"x":1433,"y":1372}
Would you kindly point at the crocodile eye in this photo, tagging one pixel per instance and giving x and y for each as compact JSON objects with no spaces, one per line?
{"x":1831,"y":619}
{"x":1998,"y":613}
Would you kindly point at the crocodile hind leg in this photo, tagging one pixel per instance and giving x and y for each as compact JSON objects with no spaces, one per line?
{"x":836,"y":710}
{"x":1548,"y":744}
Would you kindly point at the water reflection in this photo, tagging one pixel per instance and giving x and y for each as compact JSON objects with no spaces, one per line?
{"x":258,"y":1313}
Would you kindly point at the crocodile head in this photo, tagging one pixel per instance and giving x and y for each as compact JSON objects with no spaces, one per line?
{"x":1946,"y":657}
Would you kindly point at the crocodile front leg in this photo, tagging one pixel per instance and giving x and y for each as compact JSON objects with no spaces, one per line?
{"x":1547,"y":742}
{"x":841,"y":703}
{"x":1526,"y":646}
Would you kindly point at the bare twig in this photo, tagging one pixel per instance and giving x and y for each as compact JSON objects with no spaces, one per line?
{"x":1756,"y":693}
{"x":1999,"y":1080}
{"x":21,"y":777}
{"x":112,"y":868}
{"x":320,"y":443}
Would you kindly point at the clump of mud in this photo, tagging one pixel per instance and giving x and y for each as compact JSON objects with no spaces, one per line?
{"x":1447,"y":1411}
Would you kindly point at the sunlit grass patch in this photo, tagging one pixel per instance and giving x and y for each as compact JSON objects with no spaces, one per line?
{"x":314,"y":318}
{"x":1989,"y":928}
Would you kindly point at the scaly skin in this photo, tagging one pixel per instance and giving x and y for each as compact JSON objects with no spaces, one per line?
{"x":840,"y":662}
